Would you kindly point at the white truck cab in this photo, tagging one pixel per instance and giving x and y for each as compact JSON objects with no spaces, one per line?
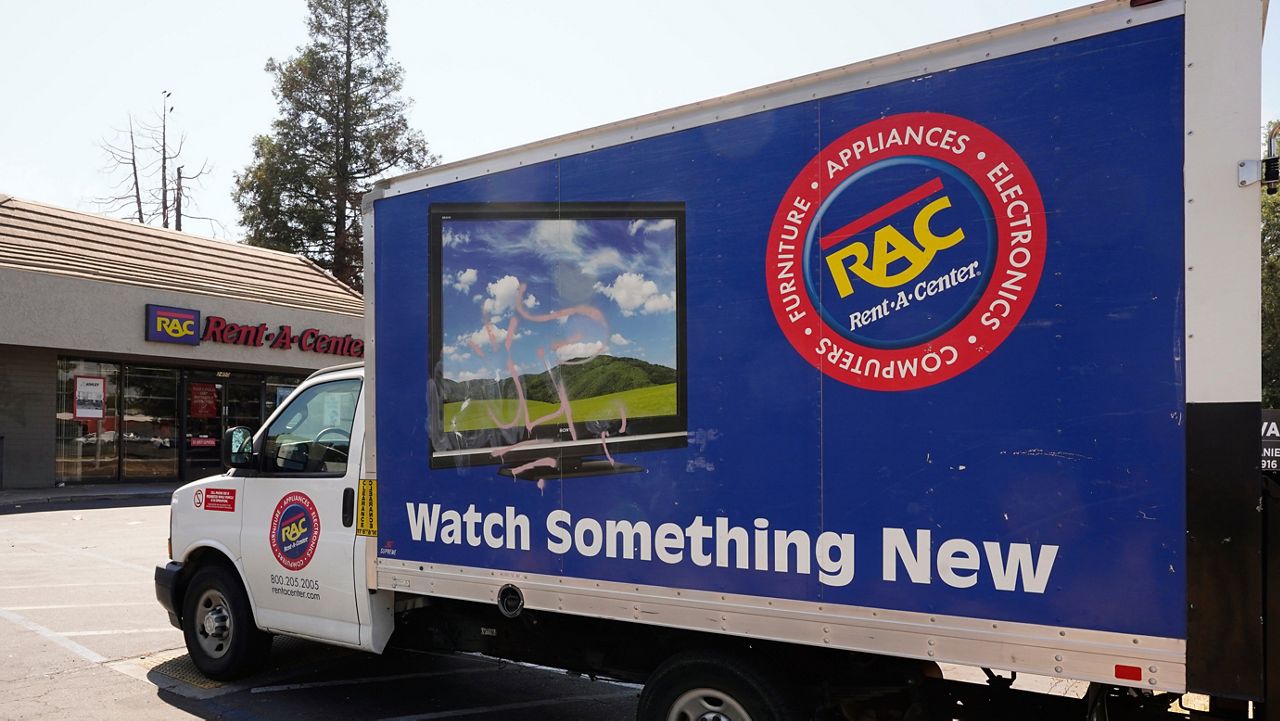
{"x":270,"y":545}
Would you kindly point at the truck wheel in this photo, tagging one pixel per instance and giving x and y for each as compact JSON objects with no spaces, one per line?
{"x":713,"y":687}
{"x":221,"y":637}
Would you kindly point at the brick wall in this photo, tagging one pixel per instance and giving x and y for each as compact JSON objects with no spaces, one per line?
{"x":28,"y":402}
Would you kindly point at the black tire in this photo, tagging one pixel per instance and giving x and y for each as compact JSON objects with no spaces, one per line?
{"x":222,"y":639}
{"x":696,"y":686}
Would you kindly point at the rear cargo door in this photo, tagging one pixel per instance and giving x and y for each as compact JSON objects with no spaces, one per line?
{"x":298,"y":535}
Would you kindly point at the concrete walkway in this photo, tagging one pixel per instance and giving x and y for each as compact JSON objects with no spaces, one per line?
{"x":15,"y":499}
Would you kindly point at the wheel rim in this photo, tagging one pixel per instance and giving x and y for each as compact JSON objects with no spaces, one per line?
{"x":213,"y":623}
{"x":707,"y":704}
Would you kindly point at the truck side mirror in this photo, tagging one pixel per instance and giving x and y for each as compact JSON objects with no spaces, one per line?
{"x":237,"y":448}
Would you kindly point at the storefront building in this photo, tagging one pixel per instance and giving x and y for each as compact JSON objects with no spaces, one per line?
{"x":126,"y":351}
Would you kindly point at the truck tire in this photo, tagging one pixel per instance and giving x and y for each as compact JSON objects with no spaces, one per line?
{"x":700,"y":686}
{"x":222,"y":639}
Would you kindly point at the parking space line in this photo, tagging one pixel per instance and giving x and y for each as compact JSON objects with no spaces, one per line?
{"x":54,"y":636}
{"x":118,"y":631}
{"x":457,"y":713}
{"x":366,"y":679}
{"x":28,"y":587}
{"x":78,"y":605}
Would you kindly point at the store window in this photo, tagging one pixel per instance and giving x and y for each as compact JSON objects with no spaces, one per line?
{"x":150,"y":440}
{"x":88,"y":425}
{"x":122,"y":422}
{"x":278,"y":389}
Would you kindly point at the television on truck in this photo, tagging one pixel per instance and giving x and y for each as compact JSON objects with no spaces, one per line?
{"x":557,"y":334}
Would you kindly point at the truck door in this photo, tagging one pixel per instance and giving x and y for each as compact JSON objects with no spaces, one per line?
{"x":298,"y":536}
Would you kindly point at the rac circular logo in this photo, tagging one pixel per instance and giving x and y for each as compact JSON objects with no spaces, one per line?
{"x":295,"y":531}
{"x":905,"y":252}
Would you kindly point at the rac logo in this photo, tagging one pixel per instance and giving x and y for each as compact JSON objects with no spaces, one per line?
{"x":890,"y":248}
{"x":172,"y":325}
{"x":294,"y":528}
{"x":906,"y":251}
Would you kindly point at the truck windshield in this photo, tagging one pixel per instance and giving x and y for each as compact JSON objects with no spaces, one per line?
{"x":313,"y":434}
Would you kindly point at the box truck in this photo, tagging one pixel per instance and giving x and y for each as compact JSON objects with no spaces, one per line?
{"x":775,"y":402}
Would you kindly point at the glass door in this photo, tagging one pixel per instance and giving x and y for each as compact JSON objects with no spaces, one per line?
{"x":203,"y":437}
{"x":215,"y":403}
{"x":244,"y":405}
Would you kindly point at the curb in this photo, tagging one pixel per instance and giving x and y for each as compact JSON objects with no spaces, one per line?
{"x":10,"y":500}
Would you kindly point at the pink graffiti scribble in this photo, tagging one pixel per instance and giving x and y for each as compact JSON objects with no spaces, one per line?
{"x":511,"y":333}
{"x":586,"y":310}
{"x":564,"y":409}
{"x":532,"y":443}
{"x":522,"y":403}
{"x":604,"y":443}
{"x":540,"y":463}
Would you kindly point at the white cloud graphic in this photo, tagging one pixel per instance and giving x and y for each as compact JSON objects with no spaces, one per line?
{"x":602,"y":260}
{"x":633,"y":293}
{"x":662,"y":303}
{"x":482,"y":374}
{"x":618,"y":340}
{"x":464,"y":279}
{"x":502,"y":295}
{"x":579,"y":350}
{"x":480,"y":338}
{"x":453,"y":240}
{"x":651,"y":226}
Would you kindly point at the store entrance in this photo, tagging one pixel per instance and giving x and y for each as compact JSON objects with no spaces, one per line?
{"x":125,"y":422}
{"x":203,"y":437}
{"x":215,"y":404}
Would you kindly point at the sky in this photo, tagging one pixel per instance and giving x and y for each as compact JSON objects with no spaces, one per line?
{"x":483,"y":76}
{"x":620,"y":271}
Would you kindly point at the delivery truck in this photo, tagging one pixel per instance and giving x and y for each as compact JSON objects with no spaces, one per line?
{"x":774,"y":403}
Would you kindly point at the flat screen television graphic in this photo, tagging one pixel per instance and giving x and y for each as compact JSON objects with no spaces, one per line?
{"x":558,"y":335}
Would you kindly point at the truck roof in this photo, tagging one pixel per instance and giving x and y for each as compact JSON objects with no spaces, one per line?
{"x":334,"y":369}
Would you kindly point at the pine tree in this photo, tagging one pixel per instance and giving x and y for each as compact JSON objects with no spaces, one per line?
{"x":341,"y":125}
{"x":1271,"y":296}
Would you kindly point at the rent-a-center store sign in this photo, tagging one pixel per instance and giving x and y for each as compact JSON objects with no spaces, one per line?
{"x":182,"y":325}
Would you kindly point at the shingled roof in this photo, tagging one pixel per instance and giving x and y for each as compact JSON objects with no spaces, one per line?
{"x":47,"y":239}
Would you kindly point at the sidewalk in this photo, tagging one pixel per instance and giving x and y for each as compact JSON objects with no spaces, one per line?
{"x":15,"y":499}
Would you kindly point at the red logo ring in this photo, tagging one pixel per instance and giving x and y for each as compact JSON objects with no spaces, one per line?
{"x":1019,"y":219}
{"x":294,"y":539}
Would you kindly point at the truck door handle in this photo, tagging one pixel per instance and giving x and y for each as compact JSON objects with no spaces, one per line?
{"x":348,"y":507}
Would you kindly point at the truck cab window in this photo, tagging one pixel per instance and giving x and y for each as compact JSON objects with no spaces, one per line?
{"x":313,"y":434}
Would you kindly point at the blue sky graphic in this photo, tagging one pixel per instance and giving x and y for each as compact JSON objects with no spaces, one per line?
{"x":623,"y":267}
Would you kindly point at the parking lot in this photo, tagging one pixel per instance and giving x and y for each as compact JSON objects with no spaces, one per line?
{"x":85,"y":638}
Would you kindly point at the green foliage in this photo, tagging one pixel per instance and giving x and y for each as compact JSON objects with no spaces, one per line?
{"x":341,"y":125}
{"x":1271,"y":293}
{"x":600,"y":375}
{"x":1270,"y":301}
{"x":637,"y":403}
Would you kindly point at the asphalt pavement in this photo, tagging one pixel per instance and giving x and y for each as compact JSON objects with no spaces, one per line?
{"x":85,"y":638}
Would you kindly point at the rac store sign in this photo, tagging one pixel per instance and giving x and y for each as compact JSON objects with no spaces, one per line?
{"x":182,"y":325}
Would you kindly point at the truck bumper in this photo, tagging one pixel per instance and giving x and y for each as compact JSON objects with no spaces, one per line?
{"x":167,"y":590}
